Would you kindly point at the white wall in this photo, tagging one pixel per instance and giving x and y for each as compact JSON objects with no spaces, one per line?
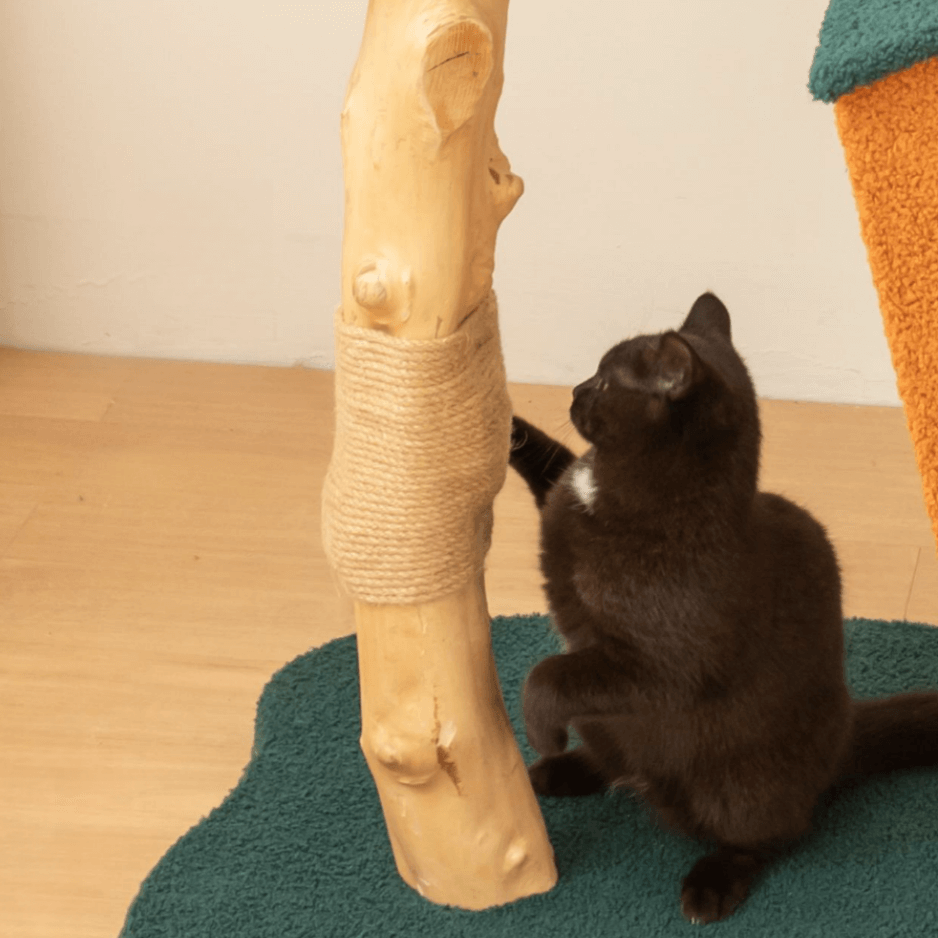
{"x":170,"y":184}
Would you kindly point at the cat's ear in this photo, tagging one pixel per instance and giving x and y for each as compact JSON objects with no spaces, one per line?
{"x":676,"y":368}
{"x":708,"y":315}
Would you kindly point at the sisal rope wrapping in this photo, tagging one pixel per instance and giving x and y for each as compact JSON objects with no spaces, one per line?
{"x":421,"y":449}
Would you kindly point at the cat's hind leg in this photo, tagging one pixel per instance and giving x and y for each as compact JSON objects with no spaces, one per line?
{"x":749,"y":833}
{"x":571,"y":773}
{"x":719,"y":882}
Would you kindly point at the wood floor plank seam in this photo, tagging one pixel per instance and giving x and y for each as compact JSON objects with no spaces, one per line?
{"x":6,"y":547}
{"x":908,"y":601}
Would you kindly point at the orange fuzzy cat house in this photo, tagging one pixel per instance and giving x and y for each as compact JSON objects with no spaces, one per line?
{"x":877,"y":61}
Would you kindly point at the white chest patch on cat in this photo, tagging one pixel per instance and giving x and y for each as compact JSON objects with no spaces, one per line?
{"x":582,"y":483}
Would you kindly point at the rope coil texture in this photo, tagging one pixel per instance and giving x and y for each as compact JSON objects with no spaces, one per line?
{"x":421,"y":449}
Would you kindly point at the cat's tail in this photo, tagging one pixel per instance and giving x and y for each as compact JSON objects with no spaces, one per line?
{"x":894,"y":733}
{"x":537,"y":458}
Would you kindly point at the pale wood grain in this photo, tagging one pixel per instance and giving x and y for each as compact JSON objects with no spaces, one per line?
{"x":58,"y":386}
{"x":853,"y":466}
{"x":877,"y":578}
{"x":130,"y":671}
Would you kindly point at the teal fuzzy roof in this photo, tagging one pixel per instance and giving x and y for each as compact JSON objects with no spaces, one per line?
{"x":862,"y":41}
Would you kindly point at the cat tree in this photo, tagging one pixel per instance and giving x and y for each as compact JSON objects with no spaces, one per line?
{"x":877,"y":61}
{"x":421,"y":447}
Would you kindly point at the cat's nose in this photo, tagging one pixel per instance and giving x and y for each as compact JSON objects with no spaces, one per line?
{"x":586,"y":386}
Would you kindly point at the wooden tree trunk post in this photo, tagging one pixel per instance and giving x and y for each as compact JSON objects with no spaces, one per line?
{"x":426,"y":189}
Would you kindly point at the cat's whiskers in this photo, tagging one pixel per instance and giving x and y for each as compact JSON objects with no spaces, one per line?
{"x":565,"y":431}
{"x":568,"y":436}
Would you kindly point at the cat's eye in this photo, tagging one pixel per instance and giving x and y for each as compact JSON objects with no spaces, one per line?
{"x":594,"y":385}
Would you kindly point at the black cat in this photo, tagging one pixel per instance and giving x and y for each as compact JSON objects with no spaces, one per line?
{"x":702,"y":618}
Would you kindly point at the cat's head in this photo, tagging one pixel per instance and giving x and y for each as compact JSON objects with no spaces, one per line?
{"x":691,"y":376}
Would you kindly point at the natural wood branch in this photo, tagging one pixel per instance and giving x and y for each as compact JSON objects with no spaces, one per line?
{"x":464,"y":824}
{"x":426,"y":189}
{"x":426,"y":183}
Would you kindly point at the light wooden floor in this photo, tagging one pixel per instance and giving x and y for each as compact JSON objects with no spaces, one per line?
{"x":159,"y":559}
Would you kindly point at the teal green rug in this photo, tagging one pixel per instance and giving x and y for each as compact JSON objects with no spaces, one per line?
{"x":299,"y":850}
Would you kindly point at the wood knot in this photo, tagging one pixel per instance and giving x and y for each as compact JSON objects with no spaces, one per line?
{"x":516,"y":854}
{"x":384,"y":290}
{"x":370,"y":287}
{"x":457,"y":66}
{"x":411,"y":761}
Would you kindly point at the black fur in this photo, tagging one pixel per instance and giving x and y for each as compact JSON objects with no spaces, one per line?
{"x":704,"y":661}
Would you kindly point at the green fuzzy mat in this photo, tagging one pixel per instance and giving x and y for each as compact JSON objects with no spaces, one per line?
{"x":862,"y":41}
{"x":299,"y":849}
